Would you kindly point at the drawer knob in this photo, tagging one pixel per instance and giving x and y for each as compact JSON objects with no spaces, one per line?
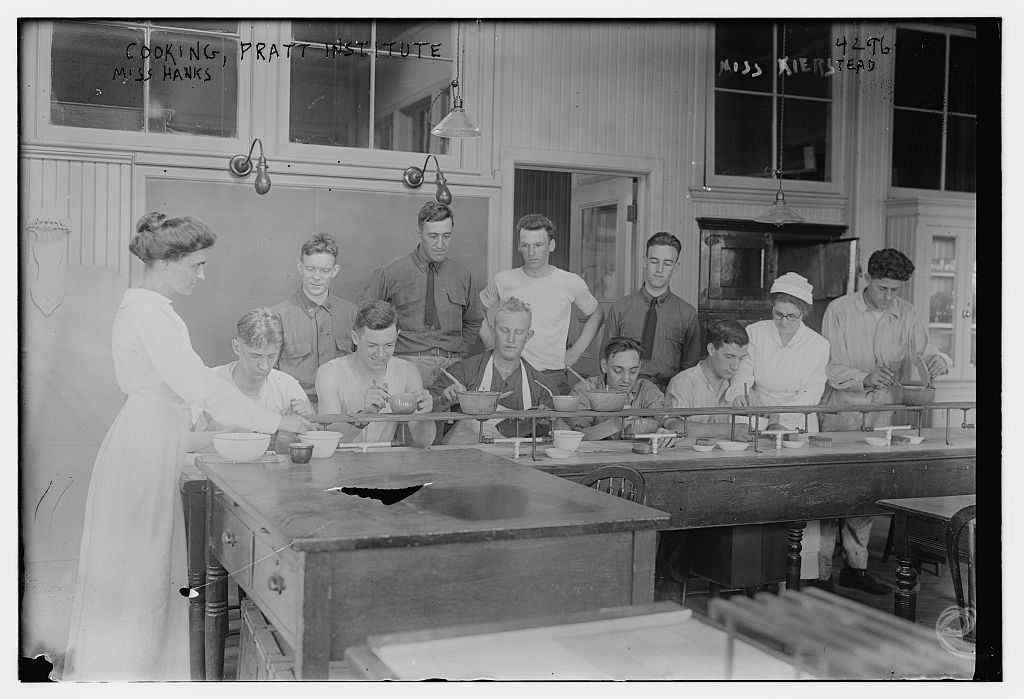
{"x":229,"y":538}
{"x":276,"y":583}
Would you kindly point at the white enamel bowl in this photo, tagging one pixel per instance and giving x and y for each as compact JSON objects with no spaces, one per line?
{"x":241,"y":446}
{"x":703,"y":447}
{"x":324,"y":443}
{"x":877,"y":441}
{"x":732,"y":446}
{"x":556,"y":453}
{"x":569,"y":440}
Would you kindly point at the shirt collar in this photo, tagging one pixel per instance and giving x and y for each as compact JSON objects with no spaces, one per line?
{"x":308,"y":305}
{"x":422,"y":261}
{"x":646,"y":295}
{"x":862,"y":306}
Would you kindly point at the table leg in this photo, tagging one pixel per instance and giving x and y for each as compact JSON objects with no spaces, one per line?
{"x":216,"y":618}
{"x":793,"y":560}
{"x":905,"y":598}
{"x":195,"y":530}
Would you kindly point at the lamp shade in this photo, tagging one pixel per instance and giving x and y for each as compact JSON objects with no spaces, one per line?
{"x":779,"y":213}
{"x":457,"y":124}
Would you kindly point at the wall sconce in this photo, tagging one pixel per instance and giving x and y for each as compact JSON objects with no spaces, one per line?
{"x":241,"y":165}
{"x":413,"y":177}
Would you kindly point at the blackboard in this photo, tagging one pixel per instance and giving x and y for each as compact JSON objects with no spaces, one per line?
{"x":259,"y":238}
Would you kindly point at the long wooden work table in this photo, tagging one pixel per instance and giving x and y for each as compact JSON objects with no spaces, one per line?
{"x":690,"y":489}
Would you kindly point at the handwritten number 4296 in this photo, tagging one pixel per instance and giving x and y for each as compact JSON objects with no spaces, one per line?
{"x":877,"y":45}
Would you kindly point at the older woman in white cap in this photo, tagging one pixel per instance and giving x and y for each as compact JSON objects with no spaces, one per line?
{"x":786,"y":362}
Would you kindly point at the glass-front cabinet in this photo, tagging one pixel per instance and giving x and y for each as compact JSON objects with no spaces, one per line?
{"x":940,"y":239}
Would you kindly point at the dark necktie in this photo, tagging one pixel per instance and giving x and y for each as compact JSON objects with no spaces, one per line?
{"x":430,"y":314}
{"x":650,"y":324}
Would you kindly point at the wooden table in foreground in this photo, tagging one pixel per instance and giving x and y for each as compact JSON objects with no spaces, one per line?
{"x":905,"y":511}
{"x":661,"y":641}
{"x":487,"y":540}
{"x":729,"y":488}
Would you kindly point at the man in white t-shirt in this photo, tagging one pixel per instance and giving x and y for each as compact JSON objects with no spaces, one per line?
{"x":550,"y":292}
{"x":257,"y":344}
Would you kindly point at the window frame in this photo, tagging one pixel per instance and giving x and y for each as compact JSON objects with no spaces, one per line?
{"x":42,"y":130}
{"x":903,"y":192}
{"x":315,"y":153}
{"x":837,"y":125}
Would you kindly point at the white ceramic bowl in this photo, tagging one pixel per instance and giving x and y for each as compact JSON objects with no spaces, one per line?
{"x":914,"y":439}
{"x":556,"y":453}
{"x":324,"y":443}
{"x":794,"y":443}
{"x":732,"y":446}
{"x":703,"y":447}
{"x":877,"y":441}
{"x":566,"y":404}
{"x":241,"y":446}
{"x":568,"y":440}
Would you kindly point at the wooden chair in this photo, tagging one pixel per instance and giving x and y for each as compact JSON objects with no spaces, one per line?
{"x":620,"y":481}
{"x":965,"y":517}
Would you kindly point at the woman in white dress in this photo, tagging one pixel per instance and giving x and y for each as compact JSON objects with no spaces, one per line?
{"x":785,"y":365}
{"x":130,"y":615}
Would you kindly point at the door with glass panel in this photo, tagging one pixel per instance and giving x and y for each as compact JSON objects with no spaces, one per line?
{"x":952,"y":298}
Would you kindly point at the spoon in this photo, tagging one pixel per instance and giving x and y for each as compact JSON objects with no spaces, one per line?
{"x":458,"y":384}
{"x":575,"y":373}
{"x":550,"y":393}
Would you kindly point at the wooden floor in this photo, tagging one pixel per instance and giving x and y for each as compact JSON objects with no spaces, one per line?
{"x":935,"y":593}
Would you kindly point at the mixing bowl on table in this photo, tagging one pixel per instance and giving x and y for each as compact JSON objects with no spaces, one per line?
{"x":607,"y":400}
{"x":642,"y":425}
{"x":567,"y":439}
{"x":566,"y":404}
{"x":403,"y":403}
{"x":324,"y":442}
{"x":478,"y":402}
{"x":241,"y":446}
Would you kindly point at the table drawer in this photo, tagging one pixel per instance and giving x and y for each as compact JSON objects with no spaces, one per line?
{"x":277,"y":585}
{"x":231,"y":542}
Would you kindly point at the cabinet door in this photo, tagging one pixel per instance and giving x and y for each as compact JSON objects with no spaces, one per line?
{"x":952,"y":283}
{"x":737,"y":266}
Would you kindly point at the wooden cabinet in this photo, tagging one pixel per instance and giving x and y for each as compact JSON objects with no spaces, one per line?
{"x":939,"y":235}
{"x":740,"y":259}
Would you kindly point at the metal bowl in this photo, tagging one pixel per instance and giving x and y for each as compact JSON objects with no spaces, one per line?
{"x":916,"y":395}
{"x":606,"y":400}
{"x":478,"y":402}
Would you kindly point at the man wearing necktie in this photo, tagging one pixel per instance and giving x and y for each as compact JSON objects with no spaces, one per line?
{"x":438,"y":305}
{"x":665,"y":326}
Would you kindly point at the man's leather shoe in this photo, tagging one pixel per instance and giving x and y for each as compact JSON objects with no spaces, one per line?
{"x":862,"y":580}
{"x":826,"y":585}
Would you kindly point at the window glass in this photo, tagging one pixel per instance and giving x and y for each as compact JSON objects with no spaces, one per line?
{"x":961,"y":153}
{"x":392,"y":77}
{"x":920,"y":69}
{"x":749,"y":125}
{"x":83,"y":91}
{"x":743,"y":134}
{"x":210,"y":26}
{"x":934,"y":113}
{"x":120,"y":77}
{"x":178,"y":105}
{"x":916,"y":149}
{"x":807,"y":130}
{"x":963,"y":75}
{"x":330,"y":101}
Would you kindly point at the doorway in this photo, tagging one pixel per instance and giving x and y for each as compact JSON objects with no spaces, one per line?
{"x":595,"y":217}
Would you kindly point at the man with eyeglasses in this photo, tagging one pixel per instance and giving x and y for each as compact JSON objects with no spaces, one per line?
{"x":665,"y":326}
{"x":874,"y":336}
{"x":550,"y":292}
{"x":317,"y":324}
